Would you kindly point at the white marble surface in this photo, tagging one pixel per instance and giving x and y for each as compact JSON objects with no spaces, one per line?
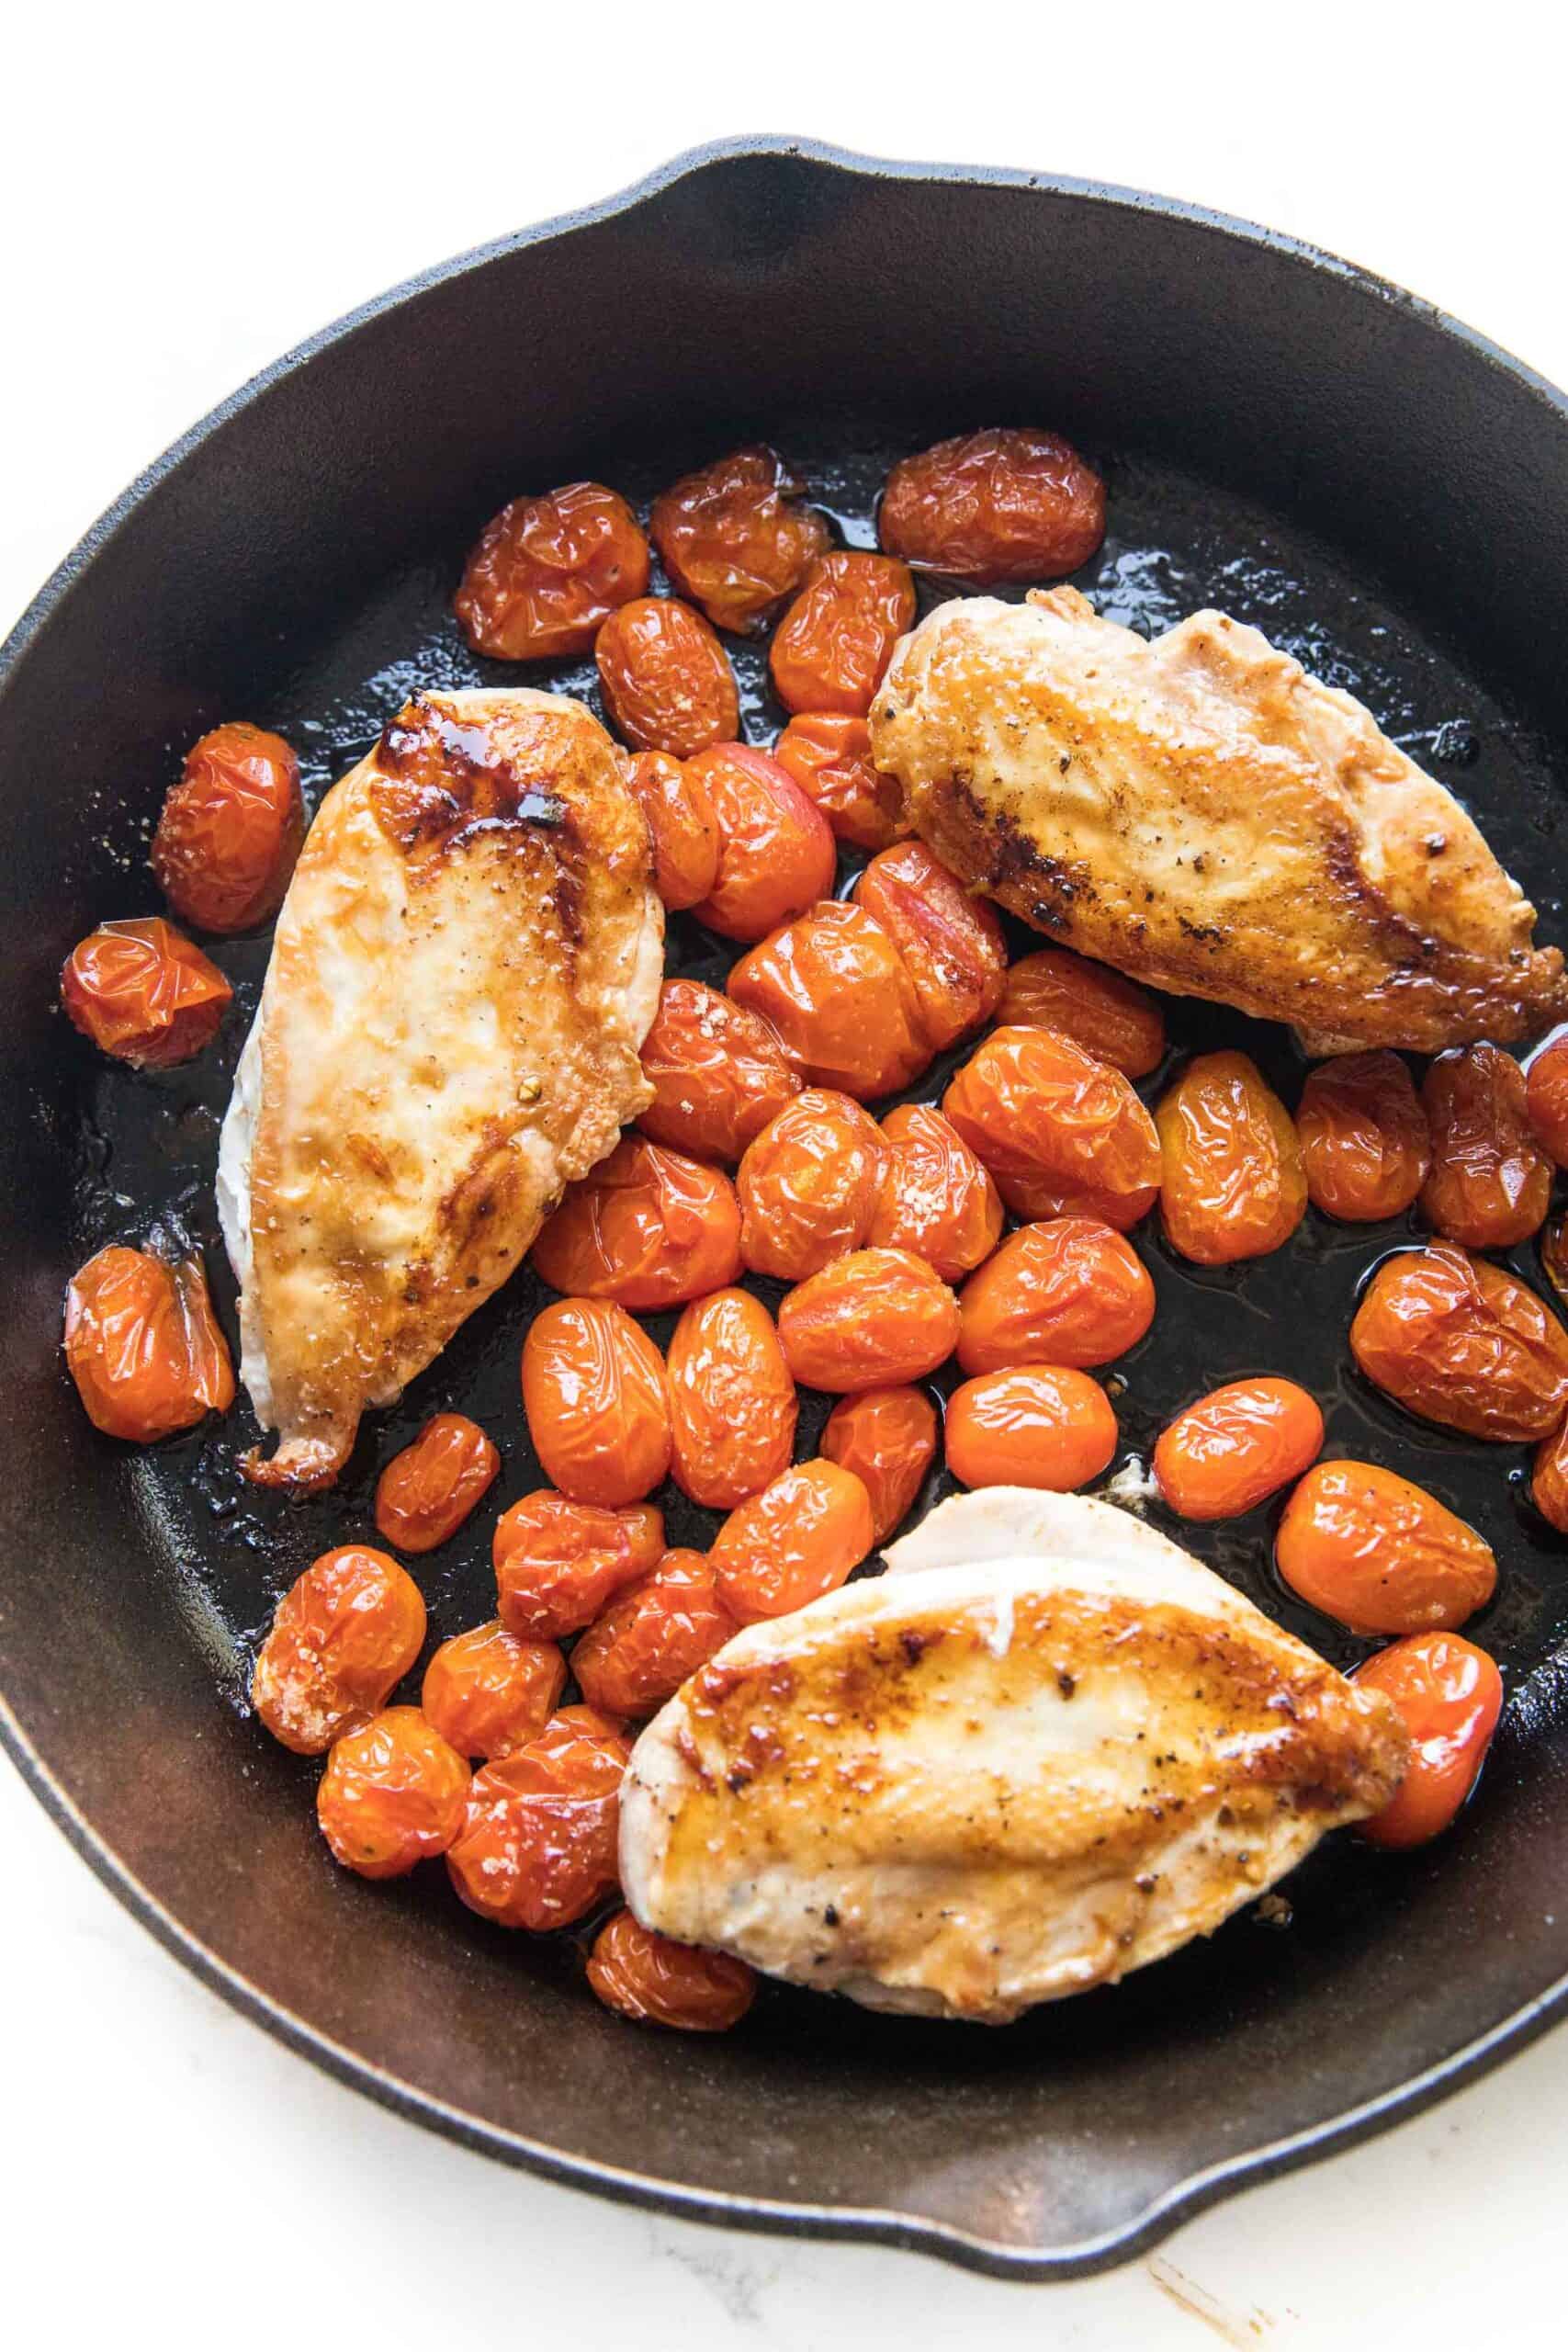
{"x":188,"y":191}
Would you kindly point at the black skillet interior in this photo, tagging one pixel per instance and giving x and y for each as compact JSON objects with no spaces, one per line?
{"x":1299,"y":445}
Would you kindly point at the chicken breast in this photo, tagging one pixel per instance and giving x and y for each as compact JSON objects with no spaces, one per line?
{"x":1047,"y":1748}
{"x":1205,"y":816}
{"x":465,"y":968}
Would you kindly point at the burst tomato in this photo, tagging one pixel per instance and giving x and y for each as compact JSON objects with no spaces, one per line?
{"x":646,"y":1976}
{"x":1365,"y":1144}
{"x":1460,"y":1342}
{"x":559,"y":1563}
{"x":936,"y":1199}
{"x":832,"y":646}
{"x":887,"y":1437}
{"x":652,"y":1636}
{"x":732,"y":1402}
{"x":1071,"y":1291}
{"x":1232,"y":1185}
{"x":1451,"y":1695}
{"x":992,"y":507}
{"x":775,"y":849}
{"x":344,"y":1634}
{"x":427,"y":1492}
{"x":547,"y":572}
{"x":875,"y":1319}
{"x":1062,"y":1133}
{"x":1035,"y":1425}
{"x":666,"y":679}
{"x":595,"y":1401}
{"x":1490,"y":1183}
{"x":809,"y":1185}
{"x":828,"y":754}
{"x":649,"y":1228}
{"x":393,"y":1794}
{"x":488,"y":1692}
{"x":1237,"y":1446}
{"x":1379,"y":1553}
{"x":718,"y":1073}
{"x":144,"y":993}
{"x":797,"y":1540}
{"x":143,"y":1346}
{"x":736,"y":539}
{"x":1546,"y":1096}
{"x":951,"y":941}
{"x":537,"y":1843}
{"x":681,"y":825}
{"x":230,"y":829}
{"x":837,"y":994}
{"x":1109,"y":1017}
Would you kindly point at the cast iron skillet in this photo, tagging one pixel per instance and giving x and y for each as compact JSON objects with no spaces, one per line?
{"x":1375,"y":486}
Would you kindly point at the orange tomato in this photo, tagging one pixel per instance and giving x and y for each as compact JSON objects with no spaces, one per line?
{"x":652,"y":1636}
{"x":143,"y":1346}
{"x":1109,"y":1017}
{"x":144,"y":993}
{"x":828,"y":754}
{"x":1460,"y":1342}
{"x":488,"y":1692}
{"x":547,"y":572}
{"x":1018,"y":505}
{"x":736,"y":539}
{"x":427,"y":1492}
{"x":597,"y":1407}
{"x":1063,"y":1134}
{"x":732,"y":1402}
{"x":393,"y":1794}
{"x":1365,"y":1144}
{"x":1451,"y":1695}
{"x":681,"y":825}
{"x":344,"y":1634}
{"x":1490,"y":1183}
{"x":797,"y":1540}
{"x":649,"y":1228}
{"x":1035,"y":1425}
{"x":646,"y":1976}
{"x":230,"y":829}
{"x":1549,"y":1479}
{"x":951,"y":941}
{"x":559,"y":1563}
{"x":775,"y":848}
{"x":936,"y":1199}
{"x":1546,"y":1096}
{"x":887,"y":1437}
{"x":537,"y":1845}
{"x":666,"y":679}
{"x":1232,"y":1183}
{"x":837,"y":994}
{"x":832,"y":646}
{"x":1379,"y":1553}
{"x":1235,"y":1447}
{"x":1071,"y":1292}
{"x":718,"y":1073}
{"x":809,"y":1185}
{"x":875,"y":1319}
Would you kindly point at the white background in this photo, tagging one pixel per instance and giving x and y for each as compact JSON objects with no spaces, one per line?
{"x":183,"y":195}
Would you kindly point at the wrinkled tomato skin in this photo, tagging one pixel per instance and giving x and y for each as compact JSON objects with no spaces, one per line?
{"x":1460,"y":1342}
{"x":775,"y":847}
{"x":832,"y":646}
{"x":394,"y":1793}
{"x":1235,"y":1447}
{"x":877,"y":1319}
{"x":997,"y":507}
{"x":1549,"y":1479}
{"x":887,"y":1437}
{"x":144,"y":993}
{"x":681,"y":825}
{"x":1451,"y":1695}
{"x":951,"y":941}
{"x":838,"y":995}
{"x":809,"y":1185}
{"x":1232,"y":1185}
{"x":735,"y":538}
{"x":1109,"y":1017}
{"x":230,"y":829}
{"x":559,"y":1563}
{"x":1546,"y":1096}
{"x":344,"y":1634}
{"x":1366,"y":1147}
{"x":547,"y":572}
{"x":718,"y":1073}
{"x":1035,"y":1425}
{"x":797,"y":1540}
{"x":1490,"y":1183}
{"x":597,"y":1408}
{"x":487,"y":1693}
{"x":648,"y":1977}
{"x":651,"y":1637}
{"x":936,"y":1199}
{"x":829,"y":755}
{"x":143,"y":1346}
{"x":427,"y":1492}
{"x":666,"y":679}
{"x":1070,"y":1291}
{"x":537,"y":1845}
{"x":1381,"y":1553}
{"x":1064,"y":1134}
{"x":649,"y":1228}
{"x":732,"y":1401}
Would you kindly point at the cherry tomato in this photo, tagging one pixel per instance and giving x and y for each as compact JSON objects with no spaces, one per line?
{"x":559,"y":1563}
{"x":597,"y":1408}
{"x":488,"y":1692}
{"x":1549,"y":1479}
{"x":1232,"y":1182}
{"x":1490,"y":1183}
{"x":1365,"y":1144}
{"x":144,"y":993}
{"x":1035,"y":1425}
{"x":735,"y":538}
{"x":1070,"y":1292}
{"x":1546,"y":1096}
{"x":1062,"y":1133}
{"x":646,"y":1976}
{"x":393,"y":1794}
{"x":732,"y":1402}
{"x":666,"y":679}
{"x":837,"y":994}
{"x":1109,"y":1017}
{"x":888,"y":1438}
{"x":797,"y":1540}
{"x":143,"y":1346}
{"x":809,"y":1185}
{"x":1451,"y":1695}
{"x":681,"y":824}
{"x":951,"y":941}
{"x":1460,"y":1342}
{"x":832,"y":646}
{"x":230,"y":829}
{"x":828,"y":754}
{"x":775,"y":848}
{"x":649,"y":1228}
{"x":718,"y":1073}
{"x":993,"y":507}
{"x":344,"y":1634}
{"x":548,"y":571}
{"x":874,"y":1320}
{"x":1379,"y":1553}
{"x":936,"y":1199}
{"x":427,"y":1492}
{"x":652,"y":1636}
{"x":537,"y":1845}
{"x":1235,"y":1447}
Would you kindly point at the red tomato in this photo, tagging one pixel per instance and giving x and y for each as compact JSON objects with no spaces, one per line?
{"x":143,"y":1346}
{"x":666,"y":679}
{"x":1451,"y":1695}
{"x":735,"y":538}
{"x":393,"y":1794}
{"x":1232,"y":1183}
{"x":1365,"y":1145}
{"x":681,"y":824}
{"x":936,"y":1199}
{"x":775,"y":849}
{"x":732,"y":1402}
{"x":875,"y":1319}
{"x":951,"y":941}
{"x":1490,"y":1184}
{"x":1463,"y":1343}
{"x":488,"y":1692}
{"x":344,"y":1634}
{"x":1063,"y":1134}
{"x":836,"y":991}
{"x":828,"y":754}
{"x":992,"y":507}
{"x":832,"y":646}
{"x":144,"y":993}
{"x":887,"y":1437}
{"x":597,"y":1407}
{"x":1379,"y":1553}
{"x":1549,"y":1479}
{"x":427,"y":1492}
{"x":230,"y":829}
{"x":1235,"y":1447}
{"x":797,"y":1540}
{"x":647,"y":1228}
{"x":559,"y":1563}
{"x":1546,"y":1096}
{"x":548,"y":571}
{"x":809,"y":1185}
{"x":646,"y":1976}
{"x":652,"y":1636}
{"x":1031,"y":1426}
{"x":1069,"y":1291}
{"x":718,"y":1073}
{"x":1109,"y":1017}
{"x":537,"y":1845}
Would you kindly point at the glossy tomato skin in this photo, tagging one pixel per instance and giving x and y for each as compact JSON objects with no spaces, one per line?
{"x":230,"y":829}
{"x":1070,"y":1291}
{"x":797,"y":1540}
{"x":641,"y":1974}
{"x":775,"y":848}
{"x":951,"y":941}
{"x":1235,"y":1447}
{"x":994,"y":507}
{"x":1232,"y":1185}
{"x":559,"y":1563}
{"x":651,"y":1637}
{"x":537,"y":1845}
{"x":832,"y":646}
{"x":887,"y":1437}
{"x":649,"y":1228}
{"x":144,"y":993}
{"x":718,"y":1073}
{"x":936,"y":1198}
{"x":427,"y":1492}
{"x":682,"y":826}
{"x":732,"y":1401}
{"x":1460,"y":1342}
{"x":1546,"y":1096}
{"x":488,"y":1692}
{"x":1035,"y":1425}
{"x":1365,"y":1142}
{"x":666,"y":679}
{"x":1381,"y":1553}
{"x":344,"y":1634}
{"x":876,"y":1319}
{"x":1490,"y":1183}
{"x":735,"y":538}
{"x":1064,"y":1134}
{"x":1451,"y":1695}
{"x":1549,"y":1478}
{"x":597,"y":1407}
{"x":143,"y":1346}
{"x":1109,"y":1017}
{"x":837,"y":994}
{"x":547,"y":572}
{"x":828,"y":752}
{"x":393,"y":1794}
{"x":809,"y":1185}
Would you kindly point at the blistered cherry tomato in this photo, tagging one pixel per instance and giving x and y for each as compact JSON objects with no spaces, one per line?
{"x":649,"y":1228}
{"x":595,"y":1401}
{"x":1451,"y":1695}
{"x":681,"y":824}
{"x":735,"y":538}
{"x":1237,"y":1446}
{"x":547,"y":572}
{"x":718,"y":1073}
{"x":874,"y":1320}
{"x":837,"y":994}
{"x":832,"y":646}
{"x":797,"y":1540}
{"x":951,"y":941}
{"x":1546,"y":1096}
{"x":1379,"y":1553}
{"x":652,"y":1636}
{"x":537,"y":1845}
{"x":996,"y":506}
{"x":889,"y":1438}
{"x":936,"y":1199}
{"x":427,"y":1492}
{"x":1035,"y":1425}
{"x":559,"y":1563}
{"x":1071,"y":1292}
{"x":230,"y":829}
{"x":488,"y":1692}
{"x":143,"y":1346}
{"x":732,"y":1402}
{"x":144,"y":993}
{"x":393,"y":1794}
{"x":775,"y":848}
{"x":1365,"y":1144}
{"x":1109,"y":1017}
{"x":1062,"y":1133}
{"x":346,"y":1631}
{"x":828,"y":754}
{"x":1490,"y":1183}
{"x":1463,"y":1343}
{"x":809,"y":1185}
{"x":646,"y":1976}
{"x":1549,"y":1478}
{"x":1232,"y":1183}
{"x":666,"y":679}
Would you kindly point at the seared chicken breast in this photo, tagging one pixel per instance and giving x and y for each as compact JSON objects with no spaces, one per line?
{"x":1046,"y":1749}
{"x":465,"y":966}
{"x":1205,"y":816}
